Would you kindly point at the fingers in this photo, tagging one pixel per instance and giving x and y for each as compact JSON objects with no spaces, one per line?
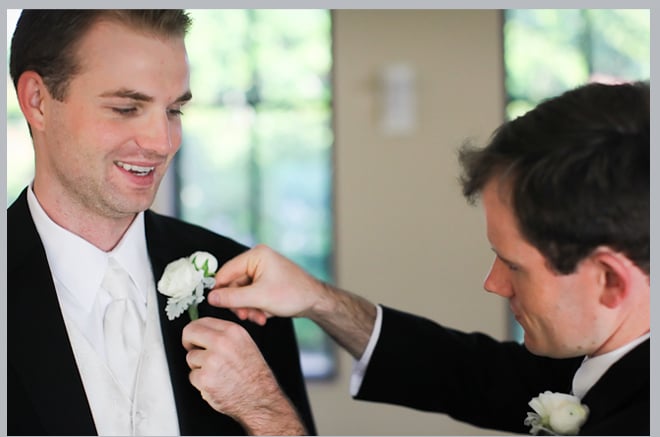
{"x":195,"y":358}
{"x":260,"y":283}
{"x":203,"y":333}
{"x":244,"y":302}
{"x":242,"y":269}
{"x":252,"y":314}
{"x":233,"y":271}
{"x":233,"y":297}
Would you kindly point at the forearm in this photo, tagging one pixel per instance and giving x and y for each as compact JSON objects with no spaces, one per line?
{"x":277,"y":417}
{"x":348,"y":318}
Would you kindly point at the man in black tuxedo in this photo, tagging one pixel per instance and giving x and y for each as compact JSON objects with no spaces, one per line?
{"x":102,"y":92}
{"x":565,"y":191}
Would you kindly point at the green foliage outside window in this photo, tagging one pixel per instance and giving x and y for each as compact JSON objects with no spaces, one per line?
{"x":256,"y":159}
{"x":548,"y":51}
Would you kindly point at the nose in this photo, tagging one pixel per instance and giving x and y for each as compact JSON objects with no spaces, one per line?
{"x":160,"y":135}
{"x":498,"y":280}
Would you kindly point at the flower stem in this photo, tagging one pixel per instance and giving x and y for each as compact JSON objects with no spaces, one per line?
{"x":192,"y":312}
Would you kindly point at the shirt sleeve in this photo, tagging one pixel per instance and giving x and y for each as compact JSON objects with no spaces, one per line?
{"x":360,"y":367}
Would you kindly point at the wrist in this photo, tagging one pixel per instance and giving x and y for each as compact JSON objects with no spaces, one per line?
{"x":326,"y":303}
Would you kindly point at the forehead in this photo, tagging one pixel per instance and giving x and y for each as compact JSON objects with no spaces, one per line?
{"x":112,"y":54}
{"x":107,"y":34}
{"x":501,"y":221}
{"x":503,"y":230}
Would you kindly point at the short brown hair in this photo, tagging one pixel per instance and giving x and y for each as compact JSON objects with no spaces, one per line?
{"x":45,"y":41}
{"x":579,"y":172}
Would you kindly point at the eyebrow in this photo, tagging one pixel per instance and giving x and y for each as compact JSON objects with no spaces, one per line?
{"x":506,"y":260}
{"x":141,"y":97}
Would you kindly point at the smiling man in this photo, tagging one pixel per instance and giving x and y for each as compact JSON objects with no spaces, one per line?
{"x":565,"y":190}
{"x":102,"y":92}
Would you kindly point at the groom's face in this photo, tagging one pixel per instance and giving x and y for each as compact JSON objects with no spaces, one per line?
{"x":107,"y":145}
{"x":558,"y":312}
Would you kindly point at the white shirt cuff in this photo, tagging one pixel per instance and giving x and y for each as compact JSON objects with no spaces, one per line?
{"x":360,"y":367}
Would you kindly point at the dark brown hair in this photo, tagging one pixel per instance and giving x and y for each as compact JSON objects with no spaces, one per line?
{"x":45,"y":41}
{"x":579,"y":170}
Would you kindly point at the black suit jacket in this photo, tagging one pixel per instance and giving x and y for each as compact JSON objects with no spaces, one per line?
{"x":476,"y":379}
{"x":45,"y":394}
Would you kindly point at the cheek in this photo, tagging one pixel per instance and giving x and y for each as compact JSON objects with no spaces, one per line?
{"x":564,"y":305}
{"x":84,"y":127}
{"x":176,"y":136}
{"x":107,"y":135}
{"x":536,"y":300}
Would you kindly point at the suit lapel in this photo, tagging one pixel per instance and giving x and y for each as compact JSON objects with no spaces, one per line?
{"x":624,"y":384}
{"x":196,"y":417}
{"x":38,"y":347}
{"x":39,"y":355}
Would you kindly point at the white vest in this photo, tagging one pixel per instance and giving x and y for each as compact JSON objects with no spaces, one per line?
{"x":153,"y":411}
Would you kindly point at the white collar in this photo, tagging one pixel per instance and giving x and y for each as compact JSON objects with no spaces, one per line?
{"x":80,"y":265}
{"x":592,"y":368}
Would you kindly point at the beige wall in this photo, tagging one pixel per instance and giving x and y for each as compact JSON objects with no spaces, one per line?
{"x":405,"y":236}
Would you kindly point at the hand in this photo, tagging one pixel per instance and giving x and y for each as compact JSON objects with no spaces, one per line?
{"x":233,"y":377}
{"x":261,"y":283}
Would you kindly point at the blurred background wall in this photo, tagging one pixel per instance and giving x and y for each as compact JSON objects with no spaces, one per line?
{"x":405,"y":236}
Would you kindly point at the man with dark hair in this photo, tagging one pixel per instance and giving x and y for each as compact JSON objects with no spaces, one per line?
{"x":565,"y":191}
{"x":102,"y":92}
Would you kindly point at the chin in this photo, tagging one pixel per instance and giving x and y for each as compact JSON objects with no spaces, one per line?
{"x":135,"y":206}
{"x":537,"y":349}
{"x":548,"y":351}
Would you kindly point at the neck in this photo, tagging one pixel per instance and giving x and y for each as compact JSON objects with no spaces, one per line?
{"x":634,"y":317}
{"x":102,"y":231}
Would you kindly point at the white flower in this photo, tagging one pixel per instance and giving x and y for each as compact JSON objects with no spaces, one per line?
{"x":205,"y":262}
{"x":179,"y":279}
{"x":556,"y":414}
{"x":184,"y":280}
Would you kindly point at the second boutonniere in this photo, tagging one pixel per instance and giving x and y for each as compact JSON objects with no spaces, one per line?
{"x":556,"y":414}
{"x":184,"y":281}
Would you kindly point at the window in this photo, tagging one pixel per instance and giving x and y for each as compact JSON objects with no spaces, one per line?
{"x":547,"y":52}
{"x":550,"y":51}
{"x":255,"y":163}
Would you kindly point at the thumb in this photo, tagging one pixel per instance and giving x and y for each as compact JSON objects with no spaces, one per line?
{"x":233,"y":297}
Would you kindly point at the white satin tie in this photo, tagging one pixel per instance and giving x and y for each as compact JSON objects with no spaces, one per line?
{"x":123,"y":328}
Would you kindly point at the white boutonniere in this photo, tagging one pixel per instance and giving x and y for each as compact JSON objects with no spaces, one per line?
{"x":556,"y":414}
{"x":184,"y":281}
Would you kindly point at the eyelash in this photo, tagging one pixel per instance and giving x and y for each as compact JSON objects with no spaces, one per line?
{"x":124,"y":111}
{"x":130,"y":111}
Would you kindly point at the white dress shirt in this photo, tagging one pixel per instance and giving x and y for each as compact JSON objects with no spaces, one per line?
{"x":360,"y":367}
{"x":592,"y":368}
{"x":78,"y":268}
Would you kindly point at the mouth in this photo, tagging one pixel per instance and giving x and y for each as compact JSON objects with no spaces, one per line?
{"x":137,"y":170}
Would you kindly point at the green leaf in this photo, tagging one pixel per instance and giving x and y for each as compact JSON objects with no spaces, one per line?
{"x":193,"y":312}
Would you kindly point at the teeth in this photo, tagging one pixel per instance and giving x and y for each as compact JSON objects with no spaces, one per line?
{"x":137,"y":169}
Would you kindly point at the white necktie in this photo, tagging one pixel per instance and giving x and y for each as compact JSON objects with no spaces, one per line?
{"x":123,"y":327}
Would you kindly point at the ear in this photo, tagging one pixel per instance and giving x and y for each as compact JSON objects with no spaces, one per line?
{"x":31,"y":92}
{"x":615,"y":271}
